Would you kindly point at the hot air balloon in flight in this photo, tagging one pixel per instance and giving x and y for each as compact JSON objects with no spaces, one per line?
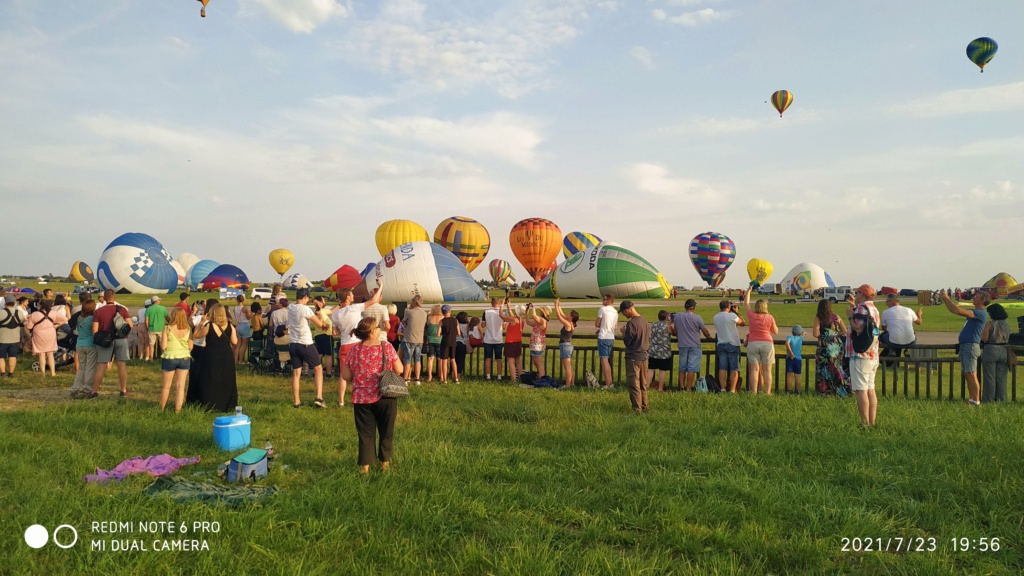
{"x":464,"y":237}
{"x":604,"y":269}
{"x":535,"y":243}
{"x":712,"y":254}
{"x":576,"y":241}
{"x":194,"y":276}
{"x":344,"y":277}
{"x":394,"y":233}
{"x":425,"y":269}
{"x":781,"y":99}
{"x":981,"y":51}
{"x":202,"y":11}
{"x":501,"y":271}
{"x":281,"y":260}
{"x":806,"y":277}
{"x":225,"y":276}
{"x":759,"y":270}
{"x":136,"y":263}
{"x":81,"y":272}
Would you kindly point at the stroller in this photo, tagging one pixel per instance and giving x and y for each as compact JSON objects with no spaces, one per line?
{"x":65,"y":354}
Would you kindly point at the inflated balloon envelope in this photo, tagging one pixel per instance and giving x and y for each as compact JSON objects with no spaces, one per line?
{"x":425,"y":269}
{"x":604,"y":269}
{"x":759,"y":270}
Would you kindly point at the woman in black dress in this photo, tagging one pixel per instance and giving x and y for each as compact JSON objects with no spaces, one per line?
{"x":216,"y":387}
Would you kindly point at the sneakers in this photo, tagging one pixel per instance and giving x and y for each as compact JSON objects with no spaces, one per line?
{"x":92,"y":395}
{"x":299,"y":405}
{"x":973,"y":402}
{"x":417,"y":382}
{"x":319,"y":403}
{"x":456,"y":380}
{"x":125,"y":393}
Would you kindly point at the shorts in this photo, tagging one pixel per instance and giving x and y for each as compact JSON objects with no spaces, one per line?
{"x":728,"y":357}
{"x":565,"y":350}
{"x":604,"y":347}
{"x":969,"y":354}
{"x":689,"y":359}
{"x":172,"y":364}
{"x":321,"y":341}
{"x":117,"y":351}
{"x":862,"y":373}
{"x":9,"y":350}
{"x":153,"y":338}
{"x":447,"y":352}
{"x":659,"y":364}
{"x":536,"y":353}
{"x":412,"y":353}
{"x":244,"y":330}
{"x":761,"y":353}
{"x":492,"y":351}
{"x":794,"y":365}
{"x":432,"y":349}
{"x":513,"y":349}
{"x":303,"y":354}
{"x":343,"y":353}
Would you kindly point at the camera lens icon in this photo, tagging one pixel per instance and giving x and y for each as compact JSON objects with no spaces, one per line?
{"x":36,"y":536}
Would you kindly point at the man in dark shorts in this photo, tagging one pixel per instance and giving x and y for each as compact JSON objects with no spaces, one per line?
{"x":302,"y":349}
{"x":493,"y":341}
{"x":449,"y":332}
{"x":103,"y":320}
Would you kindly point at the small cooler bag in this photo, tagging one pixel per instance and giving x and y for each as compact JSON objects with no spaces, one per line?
{"x":249,"y":465}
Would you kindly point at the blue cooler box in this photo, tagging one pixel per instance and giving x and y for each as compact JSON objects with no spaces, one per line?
{"x":231,"y":432}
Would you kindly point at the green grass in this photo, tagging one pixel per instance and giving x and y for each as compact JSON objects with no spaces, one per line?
{"x":491,"y":479}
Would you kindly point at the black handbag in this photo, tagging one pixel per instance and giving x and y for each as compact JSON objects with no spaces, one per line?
{"x":391,"y":384}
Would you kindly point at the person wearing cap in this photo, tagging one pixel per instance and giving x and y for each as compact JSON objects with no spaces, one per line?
{"x":863,"y":365}
{"x":969,"y":341}
{"x":760,"y":344}
{"x":688,"y":327}
{"x":995,"y":357}
{"x":636,"y":337}
{"x":607,"y":320}
{"x":898,"y":328}
{"x":156,"y":319}
{"x":794,"y":359}
{"x":450,"y":331}
{"x":301,"y":347}
{"x":183,"y":303}
{"x":537,"y":320}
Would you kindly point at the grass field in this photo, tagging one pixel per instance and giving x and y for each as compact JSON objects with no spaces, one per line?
{"x":492,"y":479}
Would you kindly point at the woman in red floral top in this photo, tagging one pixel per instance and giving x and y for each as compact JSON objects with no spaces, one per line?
{"x":373,"y":413}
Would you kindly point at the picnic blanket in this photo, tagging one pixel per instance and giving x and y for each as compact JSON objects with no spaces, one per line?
{"x":152,"y":465}
{"x":183,"y":491}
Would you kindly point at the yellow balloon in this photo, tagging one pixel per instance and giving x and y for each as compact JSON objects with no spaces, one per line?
{"x":464,"y":237}
{"x":394,"y":233}
{"x":281,"y":260}
{"x":759,"y":270}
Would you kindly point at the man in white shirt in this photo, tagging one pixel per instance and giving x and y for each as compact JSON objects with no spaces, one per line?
{"x":728,"y":348}
{"x":301,"y":347}
{"x":898,"y":327}
{"x":607,"y":321}
{"x":344,"y":319}
{"x":493,"y":340}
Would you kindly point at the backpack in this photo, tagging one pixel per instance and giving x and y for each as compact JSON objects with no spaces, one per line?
{"x":12,"y":320}
{"x":527,"y":378}
{"x":249,"y":465}
{"x":862,"y":339}
{"x":712,"y":384}
{"x":702,"y":385}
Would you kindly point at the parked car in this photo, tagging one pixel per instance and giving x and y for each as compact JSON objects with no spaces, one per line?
{"x":260,"y":293}
{"x":908,"y":292}
{"x":319,"y":289}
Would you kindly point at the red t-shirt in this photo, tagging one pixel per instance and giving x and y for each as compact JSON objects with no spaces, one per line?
{"x":366,"y":365}
{"x":184,"y":306}
{"x":514,"y":331}
{"x":103,"y":317}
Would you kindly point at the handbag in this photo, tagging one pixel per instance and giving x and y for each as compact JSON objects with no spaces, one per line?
{"x":391,"y":384}
{"x":1011,"y":358}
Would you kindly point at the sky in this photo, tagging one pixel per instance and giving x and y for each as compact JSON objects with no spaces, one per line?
{"x":305,"y":124}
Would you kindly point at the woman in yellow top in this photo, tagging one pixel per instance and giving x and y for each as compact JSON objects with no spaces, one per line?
{"x":176,"y":342}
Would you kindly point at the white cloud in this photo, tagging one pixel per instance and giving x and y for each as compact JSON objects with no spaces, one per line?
{"x":303,"y":15}
{"x":656,"y":179}
{"x":692,"y":19}
{"x":966,"y":101}
{"x":643,"y":56}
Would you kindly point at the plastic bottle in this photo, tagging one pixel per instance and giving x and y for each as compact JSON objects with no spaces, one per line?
{"x":238,"y":410}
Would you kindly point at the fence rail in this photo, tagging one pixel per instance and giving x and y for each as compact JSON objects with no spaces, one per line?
{"x":923,"y":374}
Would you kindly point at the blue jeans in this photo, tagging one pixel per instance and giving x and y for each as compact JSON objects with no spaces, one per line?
{"x":689,"y":359}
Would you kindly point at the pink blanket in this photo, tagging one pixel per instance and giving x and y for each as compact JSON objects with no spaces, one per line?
{"x":152,"y":465}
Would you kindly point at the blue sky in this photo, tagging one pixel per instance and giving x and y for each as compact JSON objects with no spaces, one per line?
{"x":306,"y":123}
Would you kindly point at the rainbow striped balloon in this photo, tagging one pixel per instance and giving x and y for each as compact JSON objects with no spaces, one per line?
{"x":577,"y":242}
{"x":981,"y":51}
{"x":712,"y":254}
{"x":781,"y":99}
{"x":500,"y":271}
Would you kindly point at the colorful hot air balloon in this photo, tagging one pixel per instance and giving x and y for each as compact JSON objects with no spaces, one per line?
{"x":535,"y":243}
{"x":344,"y":277}
{"x":464,"y":237}
{"x":501,"y":271}
{"x":180,"y":270}
{"x":1001,"y":283}
{"x":759,"y":270}
{"x":604,"y":269}
{"x":281,"y":260}
{"x":194,"y":276}
{"x":981,"y":51}
{"x":225,"y":276}
{"x":81,"y":272}
{"x":806,"y":277}
{"x":296,"y":281}
{"x":425,"y":269}
{"x":781,"y":99}
{"x":394,"y":233}
{"x":202,"y":11}
{"x":712,"y":254}
{"x":136,"y":263}
{"x":577,"y":241}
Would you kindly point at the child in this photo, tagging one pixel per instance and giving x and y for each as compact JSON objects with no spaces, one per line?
{"x":794,"y":359}
{"x":281,"y":344}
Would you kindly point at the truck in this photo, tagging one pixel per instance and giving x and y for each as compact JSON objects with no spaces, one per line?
{"x":836,"y":293}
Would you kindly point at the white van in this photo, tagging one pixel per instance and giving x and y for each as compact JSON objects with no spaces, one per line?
{"x":836,"y":294}
{"x":258,"y":293}
{"x":769,"y":288}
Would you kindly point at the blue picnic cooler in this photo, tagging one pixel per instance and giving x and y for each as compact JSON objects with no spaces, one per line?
{"x":232,"y":432}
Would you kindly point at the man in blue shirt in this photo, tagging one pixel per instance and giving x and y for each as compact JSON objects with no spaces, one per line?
{"x":970,"y":339}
